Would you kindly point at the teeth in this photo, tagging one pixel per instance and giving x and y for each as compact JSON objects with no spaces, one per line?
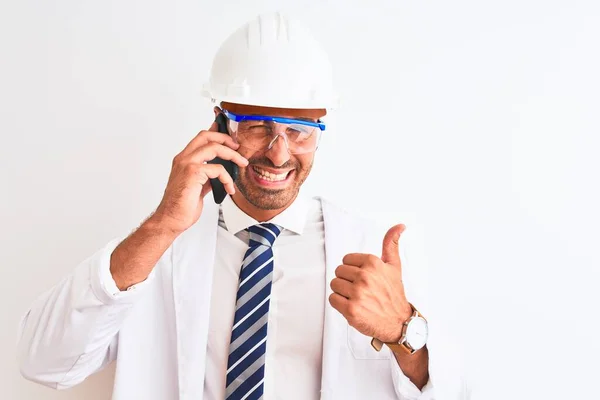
{"x":266,"y":175}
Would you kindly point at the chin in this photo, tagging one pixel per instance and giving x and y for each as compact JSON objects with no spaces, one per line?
{"x":272,"y":200}
{"x":268,"y":199}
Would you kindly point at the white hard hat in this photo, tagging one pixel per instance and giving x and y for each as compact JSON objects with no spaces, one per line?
{"x":272,"y":61}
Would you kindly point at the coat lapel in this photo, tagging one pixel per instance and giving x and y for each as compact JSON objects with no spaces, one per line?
{"x":342,"y":235}
{"x":193,"y":264}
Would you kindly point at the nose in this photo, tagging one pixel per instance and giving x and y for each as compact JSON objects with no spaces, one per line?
{"x":278,"y":153}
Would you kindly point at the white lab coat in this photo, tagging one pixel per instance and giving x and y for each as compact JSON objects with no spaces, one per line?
{"x":158,"y":332}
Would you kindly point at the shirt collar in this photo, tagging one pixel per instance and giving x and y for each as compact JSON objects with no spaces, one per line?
{"x":292,"y":218}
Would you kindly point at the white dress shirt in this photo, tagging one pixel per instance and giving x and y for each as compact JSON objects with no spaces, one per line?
{"x":296,"y":312}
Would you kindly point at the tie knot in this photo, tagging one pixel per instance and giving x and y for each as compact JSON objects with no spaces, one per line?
{"x":264,"y":234}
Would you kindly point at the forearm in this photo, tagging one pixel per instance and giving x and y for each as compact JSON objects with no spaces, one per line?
{"x":415,"y":366}
{"x":135,"y":257}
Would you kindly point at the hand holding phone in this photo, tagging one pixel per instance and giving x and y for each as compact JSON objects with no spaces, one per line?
{"x":209,"y":161}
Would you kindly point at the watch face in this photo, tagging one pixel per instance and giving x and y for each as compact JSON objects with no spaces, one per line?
{"x":416,"y":333}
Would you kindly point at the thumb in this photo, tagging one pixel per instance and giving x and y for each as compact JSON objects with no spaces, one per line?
{"x":391,"y":252}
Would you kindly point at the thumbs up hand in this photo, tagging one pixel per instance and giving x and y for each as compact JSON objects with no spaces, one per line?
{"x":368,"y":291}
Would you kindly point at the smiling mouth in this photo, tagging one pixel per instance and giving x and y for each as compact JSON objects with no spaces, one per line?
{"x":269,"y":176}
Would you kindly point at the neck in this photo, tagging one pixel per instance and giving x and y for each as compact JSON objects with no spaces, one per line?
{"x":257,"y":213}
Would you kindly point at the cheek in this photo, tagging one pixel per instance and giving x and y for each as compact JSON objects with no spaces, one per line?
{"x":246,"y":153}
{"x":305,"y":161}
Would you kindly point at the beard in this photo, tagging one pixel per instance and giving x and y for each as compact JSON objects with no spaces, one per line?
{"x":271,"y":199}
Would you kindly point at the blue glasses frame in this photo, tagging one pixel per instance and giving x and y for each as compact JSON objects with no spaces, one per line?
{"x":240,"y":117}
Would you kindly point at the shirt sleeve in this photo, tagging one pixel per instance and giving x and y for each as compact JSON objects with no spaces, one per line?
{"x":405,"y":389}
{"x":448,"y":371}
{"x":70,"y":331}
{"x":107,"y":286}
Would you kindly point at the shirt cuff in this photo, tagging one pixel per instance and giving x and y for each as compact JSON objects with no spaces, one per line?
{"x":103,"y":283}
{"x":405,"y":388}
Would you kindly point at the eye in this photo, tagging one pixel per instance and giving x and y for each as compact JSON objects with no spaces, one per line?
{"x":259,"y":129}
{"x":299,"y":133}
{"x":300,"y":128}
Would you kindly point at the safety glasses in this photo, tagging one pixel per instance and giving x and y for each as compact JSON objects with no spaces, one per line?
{"x":259,"y":132}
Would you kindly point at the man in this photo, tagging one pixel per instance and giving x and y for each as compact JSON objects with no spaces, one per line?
{"x":266,"y":295}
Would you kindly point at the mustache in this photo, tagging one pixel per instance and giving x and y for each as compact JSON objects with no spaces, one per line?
{"x":262,"y":161}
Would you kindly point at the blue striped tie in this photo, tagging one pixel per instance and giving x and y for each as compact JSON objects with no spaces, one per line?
{"x":246,"y":362}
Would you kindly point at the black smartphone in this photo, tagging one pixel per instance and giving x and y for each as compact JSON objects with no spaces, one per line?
{"x":218,"y":189}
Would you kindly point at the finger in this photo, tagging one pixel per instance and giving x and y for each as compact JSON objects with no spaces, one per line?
{"x":205,"y":137}
{"x":355,"y":259}
{"x":206,"y":189}
{"x":390,"y":252}
{"x":341,"y":287}
{"x":213,"y":150}
{"x":347,"y":272}
{"x":217,"y":171}
{"x":339,"y":302}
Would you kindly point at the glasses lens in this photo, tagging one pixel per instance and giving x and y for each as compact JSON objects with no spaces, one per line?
{"x":260,"y":135}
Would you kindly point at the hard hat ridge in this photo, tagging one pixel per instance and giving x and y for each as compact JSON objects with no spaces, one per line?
{"x":272,"y":61}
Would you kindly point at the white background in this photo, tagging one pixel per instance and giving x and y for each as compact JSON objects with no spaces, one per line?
{"x":474,"y":122}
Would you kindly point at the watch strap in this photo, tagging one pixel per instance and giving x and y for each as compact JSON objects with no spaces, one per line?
{"x":401,"y":345}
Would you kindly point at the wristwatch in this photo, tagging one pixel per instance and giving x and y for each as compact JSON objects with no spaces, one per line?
{"x":414,"y":335}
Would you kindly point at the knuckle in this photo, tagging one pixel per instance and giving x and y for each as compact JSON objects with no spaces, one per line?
{"x":212,"y":145}
{"x":220,"y":168}
{"x":190,"y":169}
{"x":361,"y":276}
{"x":334,"y":284}
{"x":176,"y":160}
{"x":224,"y":174}
{"x":356,"y":293}
{"x":372,"y":259}
{"x":353,"y":312}
{"x":217,"y":150}
{"x":361,"y":289}
{"x":206,"y":151}
{"x":331,"y":297}
{"x":338,"y":270}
